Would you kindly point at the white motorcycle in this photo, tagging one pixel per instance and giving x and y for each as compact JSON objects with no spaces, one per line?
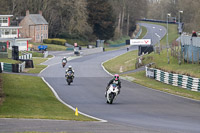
{"x":111,"y":93}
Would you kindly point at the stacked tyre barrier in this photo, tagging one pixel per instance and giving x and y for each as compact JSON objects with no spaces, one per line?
{"x":7,"y":67}
{"x":182,"y":81}
{"x":26,"y":56}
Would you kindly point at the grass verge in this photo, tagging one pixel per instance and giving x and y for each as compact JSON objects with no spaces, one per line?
{"x":37,"y":65}
{"x":119,"y":41}
{"x":51,"y":47}
{"x":122,"y":63}
{"x":144,"y":32}
{"x":6,"y":60}
{"x":30,"y":97}
{"x":140,"y":78}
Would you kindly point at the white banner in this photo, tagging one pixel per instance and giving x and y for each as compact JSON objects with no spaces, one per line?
{"x":140,"y":41}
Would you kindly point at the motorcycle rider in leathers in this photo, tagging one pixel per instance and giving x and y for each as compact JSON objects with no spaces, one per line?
{"x":116,"y":81}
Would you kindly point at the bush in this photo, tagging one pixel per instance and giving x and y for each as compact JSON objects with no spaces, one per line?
{"x":55,"y":41}
{"x":47,"y":41}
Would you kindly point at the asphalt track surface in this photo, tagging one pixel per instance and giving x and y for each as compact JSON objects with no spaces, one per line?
{"x":136,"y":109}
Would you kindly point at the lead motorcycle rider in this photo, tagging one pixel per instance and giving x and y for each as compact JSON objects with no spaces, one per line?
{"x":116,"y":81}
{"x":70,"y":69}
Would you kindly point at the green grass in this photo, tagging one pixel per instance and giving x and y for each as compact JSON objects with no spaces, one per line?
{"x":37,"y":67}
{"x":161,"y":62}
{"x":141,"y":79}
{"x":119,"y":41}
{"x":30,"y":97}
{"x":6,"y":60}
{"x":144,"y":32}
{"x":126,"y":62}
{"x":52,"y":47}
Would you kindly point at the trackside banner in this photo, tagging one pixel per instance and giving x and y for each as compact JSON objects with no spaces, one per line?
{"x":140,"y":41}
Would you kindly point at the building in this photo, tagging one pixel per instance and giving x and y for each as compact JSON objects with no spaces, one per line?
{"x":34,"y":26}
{"x":10,"y":35}
{"x":7,"y":31}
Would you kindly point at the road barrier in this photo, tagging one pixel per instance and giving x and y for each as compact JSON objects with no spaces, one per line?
{"x":26,"y":56}
{"x":183,"y":81}
{"x":8,"y":67}
{"x":46,"y":53}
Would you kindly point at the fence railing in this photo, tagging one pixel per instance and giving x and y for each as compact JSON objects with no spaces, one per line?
{"x":183,"y":81}
{"x":188,"y":40}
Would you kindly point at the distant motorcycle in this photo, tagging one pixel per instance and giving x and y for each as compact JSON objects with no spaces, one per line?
{"x":111,"y":93}
{"x":69,"y":77}
{"x":64,"y":62}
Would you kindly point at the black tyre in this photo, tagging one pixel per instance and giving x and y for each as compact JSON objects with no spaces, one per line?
{"x":111,"y":97}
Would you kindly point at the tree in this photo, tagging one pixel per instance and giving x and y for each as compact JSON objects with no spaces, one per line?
{"x":101,"y":19}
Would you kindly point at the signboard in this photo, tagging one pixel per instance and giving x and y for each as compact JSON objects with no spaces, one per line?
{"x":140,"y":41}
{"x":3,"y":47}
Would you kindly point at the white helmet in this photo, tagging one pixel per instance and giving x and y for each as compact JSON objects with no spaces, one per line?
{"x":69,"y":67}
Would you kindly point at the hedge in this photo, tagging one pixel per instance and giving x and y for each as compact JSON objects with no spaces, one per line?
{"x":55,"y":41}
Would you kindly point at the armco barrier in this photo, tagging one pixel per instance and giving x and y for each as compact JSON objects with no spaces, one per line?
{"x":183,"y":81}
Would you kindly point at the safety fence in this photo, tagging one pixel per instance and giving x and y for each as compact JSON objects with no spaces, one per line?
{"x":8,"y":67}
{"x":26,"y":56}
{"x":183,"y":81}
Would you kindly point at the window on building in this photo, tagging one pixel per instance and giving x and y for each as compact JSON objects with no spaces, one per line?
{"x":2,"y":31}
{"x":7,"y":32}
{"x":14,"y":32}
{"x":5,"y":20}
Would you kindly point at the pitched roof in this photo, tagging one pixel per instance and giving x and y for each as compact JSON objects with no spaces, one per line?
{"x":37,"y":19}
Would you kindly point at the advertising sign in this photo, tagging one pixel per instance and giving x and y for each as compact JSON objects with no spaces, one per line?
{"x":140,"y":41}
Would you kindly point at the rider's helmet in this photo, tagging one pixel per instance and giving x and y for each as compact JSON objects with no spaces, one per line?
{"x":69,"y":67}
{"x":116,"y":77}
{"x":64,"y":58}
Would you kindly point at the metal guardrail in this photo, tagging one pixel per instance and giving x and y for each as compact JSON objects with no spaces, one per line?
{"x":183,"y":81}
{"x":158,"y":21}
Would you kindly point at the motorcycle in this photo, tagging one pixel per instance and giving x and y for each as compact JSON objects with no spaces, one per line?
{"x":69,"y":77}
{"x":111,"y":93}
{"x":64,"y":62}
